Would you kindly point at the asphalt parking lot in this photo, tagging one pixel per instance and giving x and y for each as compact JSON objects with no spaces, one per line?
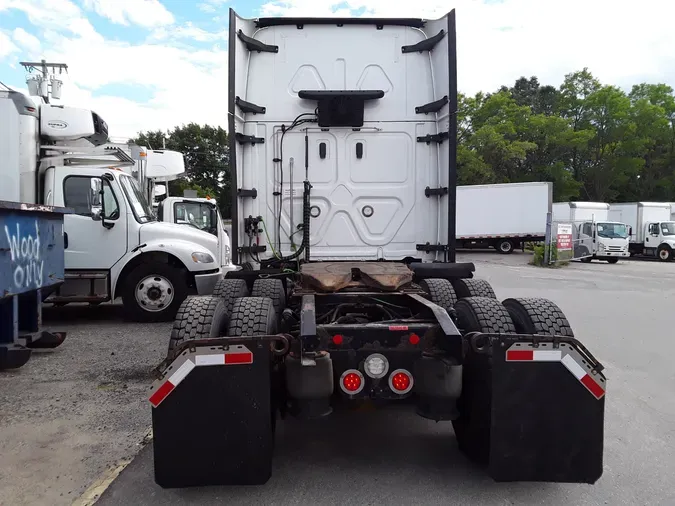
{"x":73,"y":413}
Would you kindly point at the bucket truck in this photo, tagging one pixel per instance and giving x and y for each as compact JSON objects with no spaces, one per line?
{"x":114,"y":246}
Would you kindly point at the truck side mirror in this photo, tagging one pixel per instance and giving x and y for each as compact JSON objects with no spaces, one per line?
{"x":630,"y":231}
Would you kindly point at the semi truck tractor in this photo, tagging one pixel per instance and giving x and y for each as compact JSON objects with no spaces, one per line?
{"x":346,"y":129}
{"x":502,"y":216}
{"x":651,"y":228}
{"x":114,"y":247}
{"x":594,"y":236}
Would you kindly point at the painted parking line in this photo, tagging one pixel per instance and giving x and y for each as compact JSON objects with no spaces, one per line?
{"x":96,"y":489}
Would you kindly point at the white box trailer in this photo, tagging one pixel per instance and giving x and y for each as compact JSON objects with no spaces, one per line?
{"x":594,"y":235}
{"x":502,"y":216}
{"x":651,"y":229}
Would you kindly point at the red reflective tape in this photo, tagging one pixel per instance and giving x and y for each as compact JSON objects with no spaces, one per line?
{"x":593,"y":386}
{"x":161,"y":393}
{"x":398,"y":327}
{"x":239,"y":358}
{"x":520,"y":355}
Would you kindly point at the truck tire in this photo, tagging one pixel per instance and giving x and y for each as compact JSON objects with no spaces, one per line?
{"x":153,"y":292}
{"x":256,"y":316}
{"x":441,"y":292}
{"x":483,"y":314}
{"x":665,"y":253}
{"x":534,"y":315}
{"x":252,"y":316}
{"x":472,"y":287}
{"x":505,"y":246}
{"x":612,"y":260}
{"x":229,"y":290}
{"x":472,"y":426}
{"x":272,"y":288}
{"x":199,"y":317}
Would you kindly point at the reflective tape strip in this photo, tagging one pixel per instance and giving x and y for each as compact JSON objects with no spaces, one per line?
{"x":522,"y":352}
{"x":573,"y":367}
{"x":210,"y":359}
{"x":235,"y":355}
{"x":172,"y":382}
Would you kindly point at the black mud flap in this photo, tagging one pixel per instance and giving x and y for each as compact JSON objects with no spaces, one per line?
{"x":532,"y":409}
{"x":211,"y":415}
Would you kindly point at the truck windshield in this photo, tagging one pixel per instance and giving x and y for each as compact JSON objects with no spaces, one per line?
{"x":612,"y":230}
{"x":139,"y":205}
{"x":198,"y":214}
{"x":668,"y":228}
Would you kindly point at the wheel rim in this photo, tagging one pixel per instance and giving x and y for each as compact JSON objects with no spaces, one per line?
{"x":154,"y":293}
{"x":664,"y":254}
{"x":505,"y":246}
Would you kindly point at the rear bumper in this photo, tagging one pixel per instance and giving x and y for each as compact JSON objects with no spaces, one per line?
{"x":205,"y":282}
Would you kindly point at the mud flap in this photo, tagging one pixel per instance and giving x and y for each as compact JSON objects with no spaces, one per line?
{"x":533,"y":412}
{"x":211,"y":416}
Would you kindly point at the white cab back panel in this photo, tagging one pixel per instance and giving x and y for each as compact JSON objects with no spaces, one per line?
{"x":368,"y":201}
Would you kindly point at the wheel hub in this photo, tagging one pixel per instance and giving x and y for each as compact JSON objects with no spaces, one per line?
{"x":154,"y":293}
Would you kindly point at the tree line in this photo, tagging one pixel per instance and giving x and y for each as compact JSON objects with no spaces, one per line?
{"x":593,"y":141}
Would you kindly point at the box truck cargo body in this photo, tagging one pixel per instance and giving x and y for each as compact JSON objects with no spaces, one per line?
{"x":594,"y":235}
{"x":502,"y":216}
{"x":651,"y":229}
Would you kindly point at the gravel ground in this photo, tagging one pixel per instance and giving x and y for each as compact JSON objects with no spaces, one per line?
{"x":71,"y":413}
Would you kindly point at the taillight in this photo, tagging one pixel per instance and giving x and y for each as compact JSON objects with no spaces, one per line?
{"x":414,"y":339}
{"x":337,"y":339}
{"x":352,"y":382}
{"x":400,"y":381}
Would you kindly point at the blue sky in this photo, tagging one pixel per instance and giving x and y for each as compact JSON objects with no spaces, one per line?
{"x":155,"y":64}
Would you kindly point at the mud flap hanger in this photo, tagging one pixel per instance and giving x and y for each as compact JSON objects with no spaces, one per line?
{"x":544,"y":348}
{"x":280,"y":342}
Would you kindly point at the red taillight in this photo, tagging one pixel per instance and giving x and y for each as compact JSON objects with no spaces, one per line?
{"x":352,"y":382}
{"x":401,"y":381}
{"x":414,"y":339}
{"x":337,"y":339}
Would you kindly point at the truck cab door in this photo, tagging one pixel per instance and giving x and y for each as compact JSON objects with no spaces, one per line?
{"x":97,"y":230}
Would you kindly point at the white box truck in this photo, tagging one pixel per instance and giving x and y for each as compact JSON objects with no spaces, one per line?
{"x":114,"y":247}
{"x":651,"y":228}
{"x":502,"y":216}
{"x":594,"y":235}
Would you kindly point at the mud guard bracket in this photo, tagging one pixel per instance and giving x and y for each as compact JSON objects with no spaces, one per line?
{"x":532,"y":408}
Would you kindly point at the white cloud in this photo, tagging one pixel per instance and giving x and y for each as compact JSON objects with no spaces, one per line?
{"x":211,"y":6}
{"x":621,"y":42}
{"x":26,"y":40}
{"x":146,"y":13}
{"x":188,"y":31}
{"x":7,"y":47}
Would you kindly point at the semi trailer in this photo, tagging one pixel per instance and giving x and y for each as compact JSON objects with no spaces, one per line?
{"x":502,"y":216}
{"x":651,"y":229}
{"x":594,"y":235}
{"x":351,"y":292}
{"x":55,"y":155}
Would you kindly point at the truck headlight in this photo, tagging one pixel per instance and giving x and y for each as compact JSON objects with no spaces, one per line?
{"x":202,"y":258}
